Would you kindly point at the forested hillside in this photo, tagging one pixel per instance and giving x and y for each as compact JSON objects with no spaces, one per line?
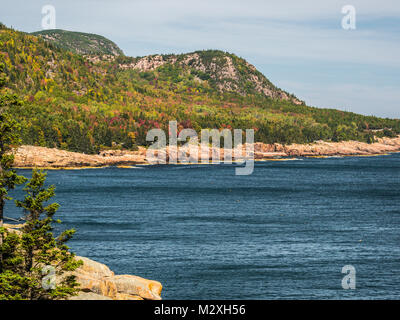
{"x":80,"y":43}
{"x":85,"y":104}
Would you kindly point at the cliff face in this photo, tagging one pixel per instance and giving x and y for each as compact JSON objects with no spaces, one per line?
{"x":40,"y":157}
{"x":98,"y":282}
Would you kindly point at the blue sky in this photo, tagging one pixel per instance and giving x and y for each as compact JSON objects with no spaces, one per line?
{"x":299,"y":45}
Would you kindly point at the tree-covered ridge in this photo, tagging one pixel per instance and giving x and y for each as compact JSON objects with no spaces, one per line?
{"x":79,"y":42}
{"x":81,"y":104}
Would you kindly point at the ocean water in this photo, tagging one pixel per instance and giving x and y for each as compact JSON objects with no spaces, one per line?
{"x":284,"y":232}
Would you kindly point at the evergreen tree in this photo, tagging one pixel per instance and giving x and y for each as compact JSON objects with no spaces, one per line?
{"x":9,"y":138}
{"x":36,"y":264}
{"x":27,"y":256}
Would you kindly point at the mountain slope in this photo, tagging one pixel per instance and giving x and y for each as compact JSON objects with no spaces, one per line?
{"x":88,"y":103}
{"x":225,"y":71}
{"x":80,"y":43}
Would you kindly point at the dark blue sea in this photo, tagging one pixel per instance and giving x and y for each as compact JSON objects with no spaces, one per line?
{"x":284,"y":232}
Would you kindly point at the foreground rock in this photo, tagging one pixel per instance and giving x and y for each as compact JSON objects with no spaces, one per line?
{"x":98,"y":282}
{"x":40,"y":157}
{"x":89,"y":296}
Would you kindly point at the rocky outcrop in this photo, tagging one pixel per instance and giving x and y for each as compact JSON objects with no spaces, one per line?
{"x":134,"y":286}
{"x":13,"y":227}
{"x":229,"y":72}
{"x":40,"y":157}
{"x":324,"y":148}
{"x":89,"y":296}
{"x":98,"y":282}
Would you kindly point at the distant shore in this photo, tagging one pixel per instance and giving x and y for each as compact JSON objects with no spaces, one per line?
{"x":27,"y":157}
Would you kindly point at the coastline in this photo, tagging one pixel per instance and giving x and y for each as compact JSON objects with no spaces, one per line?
{"x":98,"y":282}
{"x":28,"y":157}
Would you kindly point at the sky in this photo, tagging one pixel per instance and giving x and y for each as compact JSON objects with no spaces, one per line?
{"x":300,"y":45}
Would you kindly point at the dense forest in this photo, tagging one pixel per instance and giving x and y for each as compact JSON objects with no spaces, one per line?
{"x":87,"y":104}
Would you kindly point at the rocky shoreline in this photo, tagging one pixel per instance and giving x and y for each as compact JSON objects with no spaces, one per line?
{"x":98,"y":282}
{"x":51,"y":158}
